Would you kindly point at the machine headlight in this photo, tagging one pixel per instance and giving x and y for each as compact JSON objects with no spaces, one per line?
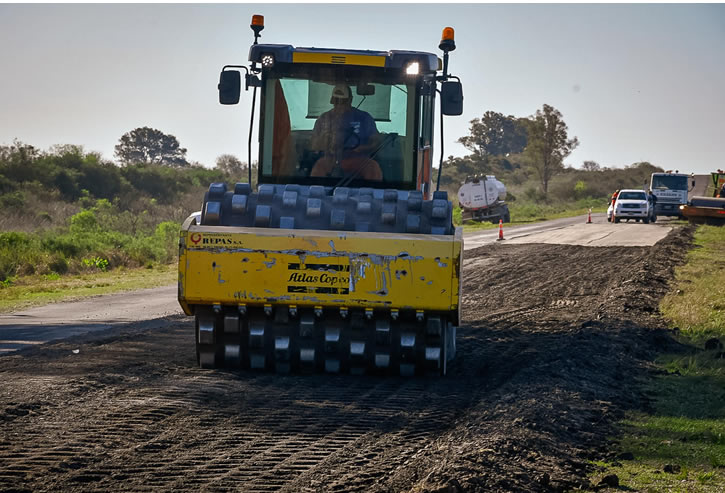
{"x":268,"y":60}
{"x":412,"y":68}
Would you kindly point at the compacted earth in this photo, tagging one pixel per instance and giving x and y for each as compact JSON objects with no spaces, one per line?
{"x":554,"y":344}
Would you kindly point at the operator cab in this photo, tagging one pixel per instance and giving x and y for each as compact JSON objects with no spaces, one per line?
{"x":386,"y":143}
{"x":395,"y":88}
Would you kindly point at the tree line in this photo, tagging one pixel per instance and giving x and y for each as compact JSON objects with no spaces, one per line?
{"x":518,"y":149}
{"x":502,"y":144}
{"x":146,"y":145}
{"x":152,"y":164}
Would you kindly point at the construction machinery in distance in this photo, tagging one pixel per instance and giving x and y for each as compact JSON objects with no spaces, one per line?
{"x":345,"y":258}
{"x":482,"y":199}
{"x":708,"y":209}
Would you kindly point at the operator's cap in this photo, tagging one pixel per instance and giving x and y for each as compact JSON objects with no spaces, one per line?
{"x":340,"y":91}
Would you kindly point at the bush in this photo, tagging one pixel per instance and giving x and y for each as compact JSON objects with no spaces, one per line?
{"x":534,"y":194}
{"x":58,"y":265}
{"x":62,"y":244}
{"x":18,"y":253}
{"x":96,"y":262}
{"x":12,"y":200}
{"x":84,"y":222}
{"x":13,"y":239}
{"x":167,"y":234}
{"x":142,"y":251}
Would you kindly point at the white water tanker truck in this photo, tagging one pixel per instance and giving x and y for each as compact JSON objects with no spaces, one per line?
{"x":482,"y":199}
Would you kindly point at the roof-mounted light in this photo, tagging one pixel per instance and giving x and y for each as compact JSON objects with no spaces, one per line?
{"x":257,"y":25}
{"x":448,"y":42}
{"x":413,"y":68}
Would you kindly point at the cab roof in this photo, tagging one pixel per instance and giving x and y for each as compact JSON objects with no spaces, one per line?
{"x":396,"y":59}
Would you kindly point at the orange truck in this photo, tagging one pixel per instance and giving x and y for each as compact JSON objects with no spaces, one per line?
{"x":709,"y":209}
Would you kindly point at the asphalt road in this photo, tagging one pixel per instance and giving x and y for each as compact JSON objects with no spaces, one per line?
{"x":61,"y":320}
{"x":576,"y":231}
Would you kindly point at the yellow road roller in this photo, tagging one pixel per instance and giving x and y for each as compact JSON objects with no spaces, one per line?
{"x":344,"y":259}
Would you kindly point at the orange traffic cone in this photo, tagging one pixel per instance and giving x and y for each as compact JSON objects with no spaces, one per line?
{"x":589,"y":218}
{"x":500,"y":230}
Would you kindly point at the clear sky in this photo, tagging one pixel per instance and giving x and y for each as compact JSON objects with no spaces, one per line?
{"x":634,"y":83}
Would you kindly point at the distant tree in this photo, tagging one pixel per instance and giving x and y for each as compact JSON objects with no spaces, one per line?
{"x":17,"y":153}
{"x":591,"y":166}
{"x":230,"y":165}
{"x":494,"y":135}
{"x":147,"y":145}
{"x":548,"y":144}
{"x":645,"y":166}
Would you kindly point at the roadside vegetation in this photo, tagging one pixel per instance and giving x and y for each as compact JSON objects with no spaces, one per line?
{"x":679,"y":445}
{"x":68,"y":216}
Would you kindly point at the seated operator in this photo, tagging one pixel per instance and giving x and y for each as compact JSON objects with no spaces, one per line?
{"x":347,"y":136}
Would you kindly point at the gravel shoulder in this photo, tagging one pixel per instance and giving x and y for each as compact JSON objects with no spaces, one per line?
{"x":554,"y":342}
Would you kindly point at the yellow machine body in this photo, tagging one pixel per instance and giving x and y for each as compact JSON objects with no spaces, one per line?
{"x":260,"y":266}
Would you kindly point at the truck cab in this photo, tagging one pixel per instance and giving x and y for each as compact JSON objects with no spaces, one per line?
{"x":670,"y":189}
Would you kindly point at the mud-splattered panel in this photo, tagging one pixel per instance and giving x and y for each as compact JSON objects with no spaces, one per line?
{"x":241,"y":265}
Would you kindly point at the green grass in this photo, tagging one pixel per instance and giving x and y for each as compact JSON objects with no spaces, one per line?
{"x":687,"y":424}
{"x":697,"y":304}
{"x":43,"y":289}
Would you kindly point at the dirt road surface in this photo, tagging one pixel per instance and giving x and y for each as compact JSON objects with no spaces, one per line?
{"x":553,"y":342}
{"x":61,"y":320}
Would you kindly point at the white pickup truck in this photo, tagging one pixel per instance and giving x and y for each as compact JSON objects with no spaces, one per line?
{"x":632,"y":204}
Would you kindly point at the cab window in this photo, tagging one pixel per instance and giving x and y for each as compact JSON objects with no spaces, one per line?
{"x":295,"y":100}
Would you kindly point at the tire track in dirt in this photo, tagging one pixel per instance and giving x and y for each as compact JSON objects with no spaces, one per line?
{"x":294,"y":427}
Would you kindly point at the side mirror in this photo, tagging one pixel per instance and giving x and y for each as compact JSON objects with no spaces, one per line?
{"x":364,"y":89}
{"x":230,"y":86}
{"x":452,"y":98}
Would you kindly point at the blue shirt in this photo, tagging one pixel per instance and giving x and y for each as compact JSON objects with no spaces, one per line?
{"x":353,"y":129}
